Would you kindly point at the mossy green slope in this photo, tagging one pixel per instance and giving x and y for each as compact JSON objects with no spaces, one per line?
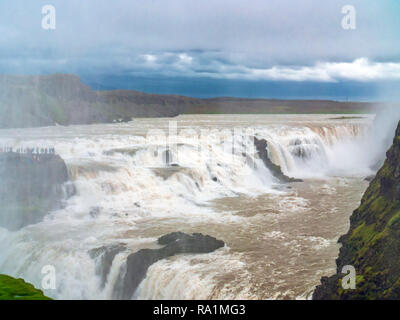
{"x":372,"y":244}
{"x":18,"y":289}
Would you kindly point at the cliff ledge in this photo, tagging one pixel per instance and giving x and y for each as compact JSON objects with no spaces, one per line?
{"x":372,"y":245}
{"x":18,"y":289}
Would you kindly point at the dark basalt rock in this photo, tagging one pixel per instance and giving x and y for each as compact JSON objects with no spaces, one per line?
{"x":30,"y":186}
{"x":167,"y":157}
{"x":370,"y":178}
{"x":174,"y":243}
{"x":262,"y":149}
{"x":372,"y":244}
{"x":94,"y":212}
{"x":104,"y":257}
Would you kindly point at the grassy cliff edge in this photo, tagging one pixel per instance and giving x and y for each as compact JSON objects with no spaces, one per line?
{"x":372,"y":245}
{"x":18,"y":289}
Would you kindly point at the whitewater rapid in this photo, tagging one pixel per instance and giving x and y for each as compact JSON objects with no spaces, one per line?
{"x":131,"y":189}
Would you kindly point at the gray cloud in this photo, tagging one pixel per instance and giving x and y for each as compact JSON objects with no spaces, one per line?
{"x":285,"y":39}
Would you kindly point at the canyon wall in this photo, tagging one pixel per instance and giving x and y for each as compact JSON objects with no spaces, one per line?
{"x":372,"y":245}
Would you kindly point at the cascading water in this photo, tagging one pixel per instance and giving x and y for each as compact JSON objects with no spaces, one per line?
{"x":129,"y":191}
{"x":319,"y":151}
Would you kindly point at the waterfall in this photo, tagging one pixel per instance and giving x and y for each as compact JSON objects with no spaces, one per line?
{"x":126,"y":189}
{"x":319,"y":151}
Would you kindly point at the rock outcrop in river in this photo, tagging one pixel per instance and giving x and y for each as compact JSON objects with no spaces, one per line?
{"x":104,"y":257}
{"x":372,"y":245}
{"x":174,"y":243}
{"x":262,"y":150}
{"x":31,"y":185}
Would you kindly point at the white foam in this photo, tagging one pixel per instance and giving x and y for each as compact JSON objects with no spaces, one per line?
{"x":130,"y":187}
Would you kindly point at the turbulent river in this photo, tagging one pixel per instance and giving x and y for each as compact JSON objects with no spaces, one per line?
{"x":280,"y":238}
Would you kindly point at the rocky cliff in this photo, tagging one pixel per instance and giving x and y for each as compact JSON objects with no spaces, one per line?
{"x":372,"y":245}
{"x":30,"y":186}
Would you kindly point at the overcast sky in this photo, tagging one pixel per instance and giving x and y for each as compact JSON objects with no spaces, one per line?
{"x":274,"y":41}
